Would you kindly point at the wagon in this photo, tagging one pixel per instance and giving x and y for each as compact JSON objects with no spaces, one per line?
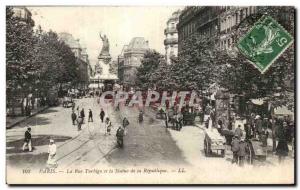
{"x":67,"y":102}
{"x":214,"y":142}
{"x":257,"y":150}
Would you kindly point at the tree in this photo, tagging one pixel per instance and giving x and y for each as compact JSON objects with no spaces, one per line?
{"x":56,"y":61}
{"x":240,"y":77}
{"x":150,"y":63}
{"x":161,"y":76}
{"x":194,"y":68}
{"x":20,"y":69}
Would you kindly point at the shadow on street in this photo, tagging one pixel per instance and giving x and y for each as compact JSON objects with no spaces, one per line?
{"x":40,"y":140}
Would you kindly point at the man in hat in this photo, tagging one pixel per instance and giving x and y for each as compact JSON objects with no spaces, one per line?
{"x":51,"y":162}
{"x":235,"y":148}
{"x":27,"y":140}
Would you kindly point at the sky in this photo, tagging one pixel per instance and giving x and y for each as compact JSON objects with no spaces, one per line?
{"x":120,"y":24}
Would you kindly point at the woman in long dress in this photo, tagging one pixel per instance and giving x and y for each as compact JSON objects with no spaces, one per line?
{"x":52,"y":154}
{"x":282,"y":149}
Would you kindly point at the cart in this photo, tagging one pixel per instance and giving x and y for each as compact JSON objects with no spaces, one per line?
{"x":257,"y":151}
{"x":67,"y":102}
{"x":213,"y":141}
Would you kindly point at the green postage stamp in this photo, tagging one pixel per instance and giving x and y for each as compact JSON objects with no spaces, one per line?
{"x":264,"y":43}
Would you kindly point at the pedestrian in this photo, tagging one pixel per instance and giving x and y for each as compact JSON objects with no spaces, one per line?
{"x":220,"y":126}
{"x":82,"y":115}
{"x":73,"y":105}
{"x":102,"y":115}
{"x":90,"y":116}
{"x":235,"y":143}
{"x":258,"y":126}
{"x":51,"y":162}
{"x":201,"y":115}
{"x":282,"y":148}
{"x":79,"y":123}
{"x":125,"y":124}
{"x":167,"y":119}
{"x":178,"y":123}
{"x":27,"y":140}
{"x":242,"y":152}
{"x":108,"y":126}
{"x":238,"y":132}
{"x":120,"y":134}
{"x":247,"y":129}
{"x":74,"y":117}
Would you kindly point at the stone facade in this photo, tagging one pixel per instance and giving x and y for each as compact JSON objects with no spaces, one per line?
{"x":133,"y":54}
{"x":81,"y":57}
{"x":121,"y":64}
{"x":201,"y":20}
{"x":23,"y":14}
{"x":171,"y":34}
{"x":230,"y":17}
{"x":217,"y":23}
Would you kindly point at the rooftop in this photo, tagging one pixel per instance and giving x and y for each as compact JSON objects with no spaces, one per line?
{"x":138,"y":43}
{"x":69,"y":40}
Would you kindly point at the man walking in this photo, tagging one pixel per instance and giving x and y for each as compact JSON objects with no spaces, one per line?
{"x":74,"y":117}
{"x":90,"y":116}
{"x":242,"y":152}
{"x":238,"y":132}
{"x":235,"y":148}
{"x":102,"y":115}
{"x":82,"y":115}
{"x":27,"y":140}
{"x":79,"y":123}
{"x":108,"y":126}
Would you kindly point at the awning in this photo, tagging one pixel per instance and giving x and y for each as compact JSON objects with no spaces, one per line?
{"x":258,"y":101}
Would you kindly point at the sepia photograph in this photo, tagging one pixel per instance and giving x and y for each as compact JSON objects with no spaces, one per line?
{"x":157,"y":95}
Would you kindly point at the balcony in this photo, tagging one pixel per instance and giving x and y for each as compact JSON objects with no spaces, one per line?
{"x":170,"y":41}
{"x":170,"y":30}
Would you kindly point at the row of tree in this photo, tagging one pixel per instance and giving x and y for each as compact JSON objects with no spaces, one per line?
{"x":200,"y":64}
{"x":36,"y":60}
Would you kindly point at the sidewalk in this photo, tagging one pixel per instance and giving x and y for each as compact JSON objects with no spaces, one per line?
{"x":13,"y":121}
